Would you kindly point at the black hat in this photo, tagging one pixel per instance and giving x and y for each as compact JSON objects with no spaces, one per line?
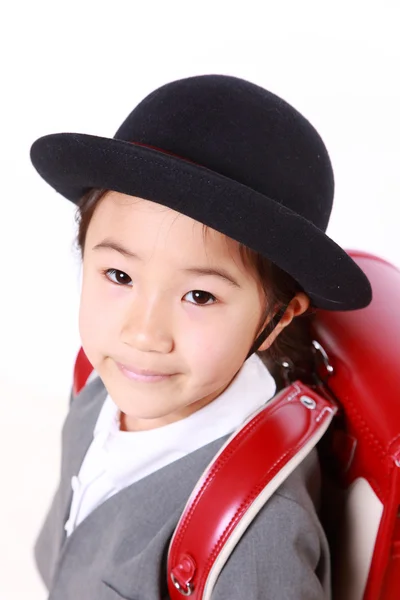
{"x":231,"y":155}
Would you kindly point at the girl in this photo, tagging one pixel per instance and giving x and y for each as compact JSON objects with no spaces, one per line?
{"x":202,"y":232}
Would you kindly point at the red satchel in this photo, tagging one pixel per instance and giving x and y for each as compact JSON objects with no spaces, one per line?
{"x":359,"y":398}
{"x":238,"y":482}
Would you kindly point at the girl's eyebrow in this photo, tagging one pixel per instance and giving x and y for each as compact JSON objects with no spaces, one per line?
{"x":217,"y":272}
{"x":220,"y":272}
{"x":111,"y":245}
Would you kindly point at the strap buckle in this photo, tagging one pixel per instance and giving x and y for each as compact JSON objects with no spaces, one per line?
{"x":185,"y":592}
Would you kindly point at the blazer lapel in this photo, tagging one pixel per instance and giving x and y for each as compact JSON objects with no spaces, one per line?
{"x":148,"y":512}
{"x":125,"y":537}
{"x":77,"y":436}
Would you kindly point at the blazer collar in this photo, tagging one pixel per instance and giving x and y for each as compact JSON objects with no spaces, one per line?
{"x":77,"y":435}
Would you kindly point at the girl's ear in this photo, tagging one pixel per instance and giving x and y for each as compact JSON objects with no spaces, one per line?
{"x":297,"y":306}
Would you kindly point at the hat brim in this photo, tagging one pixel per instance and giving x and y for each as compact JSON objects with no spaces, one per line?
{"x":73,"y":163}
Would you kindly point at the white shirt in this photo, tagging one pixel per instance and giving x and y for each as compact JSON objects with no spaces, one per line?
{"x":116,"y":459}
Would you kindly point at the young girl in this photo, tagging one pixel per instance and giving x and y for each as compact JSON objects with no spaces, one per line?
{"x":202,"y":232}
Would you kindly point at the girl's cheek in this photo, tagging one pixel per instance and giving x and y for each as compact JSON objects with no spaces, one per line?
{"x":204,"y":342}
{"x":97,"y":295}
{"x":91,"y":314}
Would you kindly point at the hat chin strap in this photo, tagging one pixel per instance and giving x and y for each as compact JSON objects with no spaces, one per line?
{"x":269,"y":328}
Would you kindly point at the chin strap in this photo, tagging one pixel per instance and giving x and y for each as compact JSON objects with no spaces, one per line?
{"x":269,"y":328}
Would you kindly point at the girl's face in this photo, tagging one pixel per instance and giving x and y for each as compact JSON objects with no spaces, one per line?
{"x":158,"y":296}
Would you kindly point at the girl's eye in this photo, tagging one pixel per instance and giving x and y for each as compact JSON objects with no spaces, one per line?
{"x":118,"y":277}
{"x":201,"y":298}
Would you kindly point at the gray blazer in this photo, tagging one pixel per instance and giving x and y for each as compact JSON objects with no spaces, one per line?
{"x":119,"y":551}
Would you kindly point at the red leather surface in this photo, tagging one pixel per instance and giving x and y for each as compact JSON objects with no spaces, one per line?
{"x":82,"y":370}
{"x":236,"y":478}
{"x":364,"y":349}
{"x":364,"y":346}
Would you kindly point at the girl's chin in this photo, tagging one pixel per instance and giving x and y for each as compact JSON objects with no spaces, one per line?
{"x":149,"y":410}
{"x":142,"y":421}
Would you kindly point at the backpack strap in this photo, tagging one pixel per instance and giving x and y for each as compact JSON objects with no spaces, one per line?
{"x":245,"y":473}
{"x":82,"y":371}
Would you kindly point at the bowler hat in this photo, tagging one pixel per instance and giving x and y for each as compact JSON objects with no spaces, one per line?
{"x":231,"y":155}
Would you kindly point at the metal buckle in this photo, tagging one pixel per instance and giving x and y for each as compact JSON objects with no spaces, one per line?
{"x":181,"y":590}
{"x":308,"y":402}
{"x":325,"y":359}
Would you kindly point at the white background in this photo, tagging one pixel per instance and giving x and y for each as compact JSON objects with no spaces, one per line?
{"x":82,"y":66}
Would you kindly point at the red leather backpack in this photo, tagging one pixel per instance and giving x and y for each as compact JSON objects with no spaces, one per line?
{"x":356,"y":412}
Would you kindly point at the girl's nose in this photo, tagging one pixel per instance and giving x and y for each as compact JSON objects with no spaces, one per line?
{"x":147,"y":326}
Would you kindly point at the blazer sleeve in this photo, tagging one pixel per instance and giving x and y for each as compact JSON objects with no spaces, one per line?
{"x":283,"y":555}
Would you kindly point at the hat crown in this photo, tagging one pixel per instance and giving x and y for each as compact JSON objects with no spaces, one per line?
{"x":253,"y":168}
{"x":241,"y":131}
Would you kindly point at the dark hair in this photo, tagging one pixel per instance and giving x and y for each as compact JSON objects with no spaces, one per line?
{"x":292,"y":350}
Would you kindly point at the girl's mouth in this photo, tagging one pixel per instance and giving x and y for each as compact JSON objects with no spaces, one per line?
{"x":142,"y":375}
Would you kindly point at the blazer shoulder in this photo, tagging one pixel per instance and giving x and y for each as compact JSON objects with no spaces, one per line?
{"x":284,"y":552}
{"x":89,"y":399}
{"x":93,"y":388}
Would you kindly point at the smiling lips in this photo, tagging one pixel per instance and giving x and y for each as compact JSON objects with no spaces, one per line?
{"x":142,"y":374}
